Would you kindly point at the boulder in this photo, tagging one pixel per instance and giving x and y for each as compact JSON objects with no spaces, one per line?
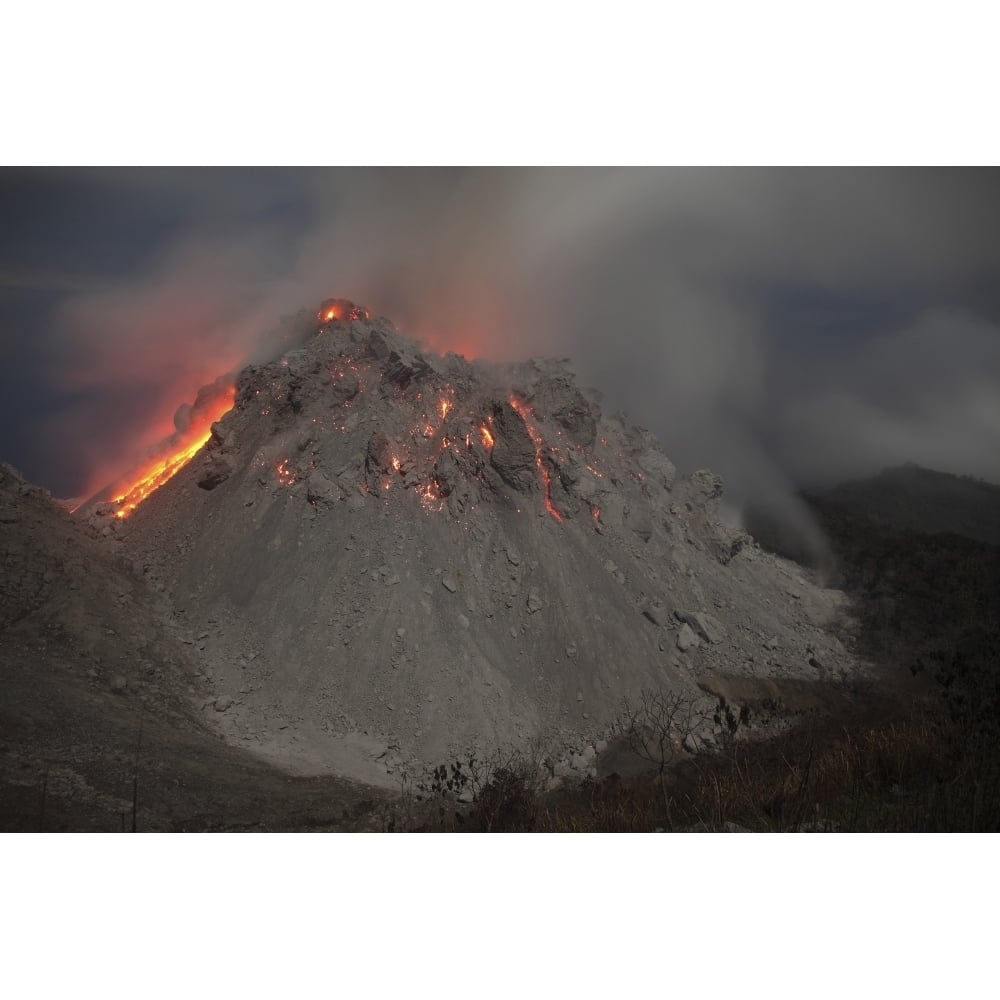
{"x":401,"y":370}
{"x":706,"y":485}
{"x":344,"y":389}
{"x":657,"y":614}
{"x":378,"y":346}
{"x":447,"y":474}
{"x":705,"y":625}
{"x":378,"y":459}
{"x":686,"y":639}
{"x":657,"y":466}
{"x":215,"y":470}
{"x":557,"y":398}
{"x":320,"y":489}
{"x":513,"y":454}
{"x":587,"y":487}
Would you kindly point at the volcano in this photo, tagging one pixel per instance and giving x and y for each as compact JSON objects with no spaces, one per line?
{"x":382,"y":558}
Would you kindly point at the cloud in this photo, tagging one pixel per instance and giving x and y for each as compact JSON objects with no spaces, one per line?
{"x":30,"y":280}
{"x":927,"y":393}
{"x":665,"y":286}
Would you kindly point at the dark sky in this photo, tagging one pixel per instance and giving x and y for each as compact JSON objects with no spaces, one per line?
{"x":783,"y":326}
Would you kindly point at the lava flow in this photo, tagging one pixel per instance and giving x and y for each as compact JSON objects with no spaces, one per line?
{"x":172,"y":455}
{"x":524,"y":412}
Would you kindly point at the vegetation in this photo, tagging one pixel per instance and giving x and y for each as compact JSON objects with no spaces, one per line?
{"x":920,"y":751}
{"x":903,"y":775}
{"x":499,"y":793}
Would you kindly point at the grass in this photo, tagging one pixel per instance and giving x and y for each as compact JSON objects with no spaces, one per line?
{"x":916,"y":770}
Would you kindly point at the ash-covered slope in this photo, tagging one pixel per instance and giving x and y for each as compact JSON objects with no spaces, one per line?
{"x":102,"y":694}
{"x":381,"y":548}
{"x":88,"y":653}
{"x":62,"y":590}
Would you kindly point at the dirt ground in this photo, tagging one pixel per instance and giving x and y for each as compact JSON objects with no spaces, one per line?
{"x":68,"y":757}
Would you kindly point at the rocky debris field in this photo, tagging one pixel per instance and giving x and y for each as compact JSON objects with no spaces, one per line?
{"x":388,"y":557}
{"x":102,"y":688}
{"x":385,"y":559}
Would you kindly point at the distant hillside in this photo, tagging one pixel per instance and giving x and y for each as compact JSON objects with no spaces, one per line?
{"x":921,"y":500}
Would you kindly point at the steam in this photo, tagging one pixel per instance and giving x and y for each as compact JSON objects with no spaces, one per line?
{"x":670,"y":290}
{"x":929,"y":392}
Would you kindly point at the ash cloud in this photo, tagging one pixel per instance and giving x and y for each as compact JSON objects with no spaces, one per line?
{"x":696,"y":299}
{"x":929,"y":392}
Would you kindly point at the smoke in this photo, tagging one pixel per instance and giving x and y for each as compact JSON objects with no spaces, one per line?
{"x":698,"y":300}
{"x":929,"y":392}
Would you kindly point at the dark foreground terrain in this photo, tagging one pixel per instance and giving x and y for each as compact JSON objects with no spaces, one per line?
{"x":100,"y":727}
{"x":915,"y":750}
{"x":73,"y":760}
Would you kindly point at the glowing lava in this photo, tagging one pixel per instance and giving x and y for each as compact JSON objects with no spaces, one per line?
{"x":340,"y":309}
{"x":285,"y":473}
{"x":430,"y":497}
{"x":177,"y":452}
{"x":524,"y":412}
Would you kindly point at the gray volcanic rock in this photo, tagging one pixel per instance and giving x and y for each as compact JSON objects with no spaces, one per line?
{"x":557,"y":398}
{"x":215,"y":470}
{"x":68,"y":594}
{"x":320,"y":489}
{"x":513,"y":453}
{"x":703,"y":624}
{"x":430,"y":554}
{"x":401,"y":370}
{"x":378,"y":459}
{"x":686,"y":639}
{"x":343,"y":389}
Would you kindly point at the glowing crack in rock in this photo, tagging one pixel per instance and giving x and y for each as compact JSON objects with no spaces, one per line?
{"x":524,"y":412}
